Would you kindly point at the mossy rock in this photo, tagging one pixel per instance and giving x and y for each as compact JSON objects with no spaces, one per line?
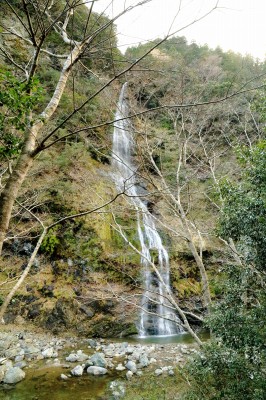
{"x":112,"y":327}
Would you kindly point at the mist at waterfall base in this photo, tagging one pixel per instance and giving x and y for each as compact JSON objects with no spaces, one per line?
{"x":156,"y":315}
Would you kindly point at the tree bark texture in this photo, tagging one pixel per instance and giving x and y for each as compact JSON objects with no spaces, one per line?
{"x":25,"y":160}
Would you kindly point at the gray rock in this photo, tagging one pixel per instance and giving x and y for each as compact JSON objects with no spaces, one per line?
{"x":88,"y":363}
{"x":129,"y":375}
{"x":48,"y":353}
{"x":120,"y":367}
{"x":129,"y":350}
{"x":171,"y":372}
{"x":143,"y":361}
{"x":64,"y":377}
{"x":14,"y":375}
{"x":3,"y":370}
{"x":21,"y":364}
{"x":5,"y":344}
{"x":118,"y":389}
{"x":78,"y":357}
{"x":77,"y":371}
{"x":72,"y":357}
{"x":70,"y":262}
{"x":93,"y":370}
{"x":98,"y":360}
{"x":92,"y":343}
{"x":81,"y":356}
{"x":19,"y":358}
{"x":11,"y":353}
{"x":131,"y":366}
{"x":31,"y":351}
{"x":158,"y":372}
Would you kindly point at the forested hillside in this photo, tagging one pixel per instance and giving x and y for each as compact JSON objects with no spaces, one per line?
{"x":197,"y":118}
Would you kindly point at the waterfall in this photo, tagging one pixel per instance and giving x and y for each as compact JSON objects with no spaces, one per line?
{"x":156,"y":316}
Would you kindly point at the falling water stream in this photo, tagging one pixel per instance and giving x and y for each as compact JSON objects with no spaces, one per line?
{"x":156,"y":316}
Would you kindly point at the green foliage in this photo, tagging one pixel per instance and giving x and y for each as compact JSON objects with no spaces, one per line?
{"x":50,"y":242}
{"x":17,"y":100}
{"x":244,"y":212}
{"x":233,"y":365}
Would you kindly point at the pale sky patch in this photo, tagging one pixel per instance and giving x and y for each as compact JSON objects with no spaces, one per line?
{"x":237,"y":25}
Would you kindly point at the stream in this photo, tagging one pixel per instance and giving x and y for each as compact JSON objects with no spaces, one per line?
{"x":43,"y":381}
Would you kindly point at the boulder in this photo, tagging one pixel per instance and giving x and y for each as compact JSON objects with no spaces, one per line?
{"x":143,"y":361}
{"x":98,"y":360}
{"x":14,"y":375}
{"x":77,"y":371}
{"x":129,"y":374}
{"x":158,"y":372}
{"x":48,"y":353}
{"x":93,"y":370}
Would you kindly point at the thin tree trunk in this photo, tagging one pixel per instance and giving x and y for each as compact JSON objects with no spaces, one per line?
{"x":21,"y":279}
{"x":10,"y":191}
{"x":13,"y":185}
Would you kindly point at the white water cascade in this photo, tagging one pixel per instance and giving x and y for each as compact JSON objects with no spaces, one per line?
{"x":156,"y":317}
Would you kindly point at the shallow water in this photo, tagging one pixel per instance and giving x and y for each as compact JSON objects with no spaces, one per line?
{"x":182,"y":338}
{"x":44,"y":383}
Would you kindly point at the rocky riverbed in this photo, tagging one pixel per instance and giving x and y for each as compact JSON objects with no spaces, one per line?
{"x":23,"y":352}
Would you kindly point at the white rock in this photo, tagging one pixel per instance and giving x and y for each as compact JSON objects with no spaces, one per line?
{"x":64,"y":377}
{"x":131,"y":365}
{"x":93,"y":370}
{"x":120,"y":367}
{"x":14,"y":375}
{"x":77,"y":371}
{"x":72,"y":357}
{"x":129,"y":374}
{"x":171,"y":372}
{"x":48,"y":353}
{"x":158,"y":372}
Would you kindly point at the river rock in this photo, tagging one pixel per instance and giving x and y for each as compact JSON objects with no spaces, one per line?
{"x":129,"y":375}
{"x":78,"y":357}
{"x":3,"y":370}
{"x":21,"y":364}
{"x":81,"y":356}
{"x":171,"y":372}
{"x":77,"y":371}
{"x":71,"y":358}
{"x":158,"y":372}
{"x":48,"y":353}
{"x":31,"y":351}
{"x":94,"y":370}
{"x":92,"y":343}
{"x":131,"y":366}
{"x":98,"y":360}
{"x":11,"y":353}
{"x":120,"y":367}
{"x":19,"y":357}
{"x":14,"y":375}
{"x":118,"y":390}
{"x":5,"y":344}
{"x":143,"y":361}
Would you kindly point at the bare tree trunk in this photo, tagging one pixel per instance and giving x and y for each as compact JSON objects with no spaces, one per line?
{"x":21,"y":279}
{"x":11,"y":189}
{"x":16,"y":179}
{"x":206,"y":296}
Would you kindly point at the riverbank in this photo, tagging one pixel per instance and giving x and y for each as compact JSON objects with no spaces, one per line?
{"x":36,"y":365}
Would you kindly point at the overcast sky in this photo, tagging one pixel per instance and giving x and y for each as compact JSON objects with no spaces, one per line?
{"x":239,"y":25}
